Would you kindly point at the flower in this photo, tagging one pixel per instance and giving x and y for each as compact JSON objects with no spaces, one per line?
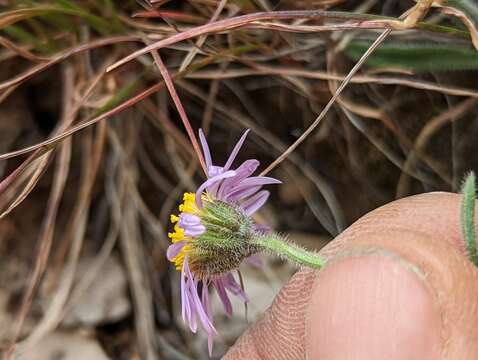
{"x":211,"y":235}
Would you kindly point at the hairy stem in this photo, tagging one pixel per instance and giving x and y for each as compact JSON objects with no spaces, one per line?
{"x":278,"y":246}
{"x":468,"y":216}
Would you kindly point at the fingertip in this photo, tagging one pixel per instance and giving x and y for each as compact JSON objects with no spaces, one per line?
{"x":280,"y":333}
{"x":373,"y":306}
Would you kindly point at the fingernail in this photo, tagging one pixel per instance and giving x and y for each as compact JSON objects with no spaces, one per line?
{"x":373,"y":306}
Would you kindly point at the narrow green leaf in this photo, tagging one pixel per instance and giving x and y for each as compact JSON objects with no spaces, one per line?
{"x":101,"y":25}
{"x":123,"y":94}
{"x":468,"y":7}
{"x":67,"y":4}
{"x":467,"y":12}
{"x":468,"y":192}
{"x":59,"y":21}
{"x":416,"y":56}
{"x":98,"y":23}
{"x":27,"y":38}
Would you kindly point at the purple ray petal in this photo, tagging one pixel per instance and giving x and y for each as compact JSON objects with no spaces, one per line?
{"x":186,"y":219}
{"x":241,"y":194}
{"x":258,"y":180}
{"x":214,"y":171}
{"x":205,"y":149}
{"x":221,"y":291}
{"x":243,"y":171}
{"x":191,"y":311}
{"x":231,"y":284}
{"x":194,"y":231}
{"x":254,"y":261}
{"x":255,"y":202}
{"x":192,"y":321}
{"x":210,"y":342}
{"x":206,"y":300}
{"x":244,"y":187}
{"x":210,"y":182}
{"x":236,"y":149}
{"x":185,"y":306}
{"x":247,"y":168}
{"x":190,"y":308}
{"x":198,"y":305}
{"x":174,"y":249}
{"x":208,"y":309}
{"x":191,"y":224}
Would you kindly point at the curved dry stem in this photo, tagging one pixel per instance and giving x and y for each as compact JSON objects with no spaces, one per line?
{"x":337,"y":93}
{"x":424,"y":137}
{"x":247,"y":20}
{"x":265,"y":70}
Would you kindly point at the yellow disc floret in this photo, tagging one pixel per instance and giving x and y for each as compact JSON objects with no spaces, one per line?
{"x":188,"y":206}
{"x":189,"y":203}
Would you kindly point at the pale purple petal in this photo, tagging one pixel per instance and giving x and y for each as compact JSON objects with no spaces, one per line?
{"x":211,"y":182}
{"x":208,"y":309}
{"x":194,"y":231}
{"x":191,"y":224}
{"x":174,"y":249}
{"x":214,"y":171}
{"x":241,"y":194}
{"x":185,"y":301}
{"x":210,"y":341}
{"x":254,"y":203}
{"x":247,"y":168}
{"x":190,"y":308}
{"x":186,"y":219}
{"x":232,"y":285}
{"x":236,"y":149}
{"x":206,"y":321}
{"x":205,"y":149}
{"x":243,"y":171}
{"x":191,"y":316}
{"x":221,"y":291}
{"x":258,"y":180}
{"x":205,"y":298}
{"x":192,"y":320}
{"x":198,"y":305}
{"x":254,"y":261}
{"x":246,"y":186}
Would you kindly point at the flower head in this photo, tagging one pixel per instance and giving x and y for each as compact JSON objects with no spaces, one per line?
{"x":212,"y":235}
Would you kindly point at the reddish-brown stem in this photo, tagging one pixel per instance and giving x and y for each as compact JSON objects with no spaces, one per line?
{"x":179,"y":106}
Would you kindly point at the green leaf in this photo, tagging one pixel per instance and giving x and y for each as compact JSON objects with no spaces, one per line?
{"x":122,"y":95}
{"x":101,"y":25}
{"x":468,"y":7}
{"x":467,"y":12}
{"x":468,"y":192}
{"x":26,"y":37}
{"x":416,"y":56}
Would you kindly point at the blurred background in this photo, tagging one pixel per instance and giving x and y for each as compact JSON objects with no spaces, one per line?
{"x":84,"y":218}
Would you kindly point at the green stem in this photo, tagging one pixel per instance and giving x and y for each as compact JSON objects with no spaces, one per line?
{"x":278,"y":246}
{"x":468,"y":216}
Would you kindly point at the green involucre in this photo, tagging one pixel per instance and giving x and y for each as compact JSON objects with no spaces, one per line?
{"x":230,"y":237}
